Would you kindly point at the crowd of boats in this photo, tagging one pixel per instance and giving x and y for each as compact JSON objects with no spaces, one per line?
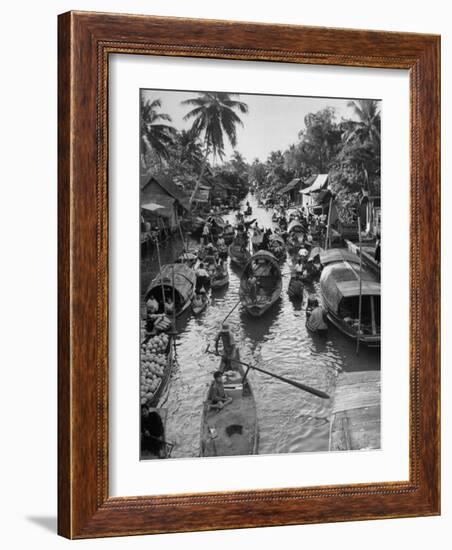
{"x":347,"y":296}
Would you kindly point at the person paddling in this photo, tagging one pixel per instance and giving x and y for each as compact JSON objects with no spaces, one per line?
{"x":227,"y":340}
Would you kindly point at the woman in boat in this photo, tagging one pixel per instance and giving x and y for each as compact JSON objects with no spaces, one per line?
{"x":202,"y":278}
{"x":199,"y":300}
{"x":315,"y":317}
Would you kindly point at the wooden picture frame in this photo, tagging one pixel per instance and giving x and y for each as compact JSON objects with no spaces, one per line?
{"x":86,"y":40}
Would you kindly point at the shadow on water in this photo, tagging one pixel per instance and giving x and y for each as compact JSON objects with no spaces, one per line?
{"x":290,"y":420}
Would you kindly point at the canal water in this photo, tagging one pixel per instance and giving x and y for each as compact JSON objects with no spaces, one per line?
{"x":290,"y":420}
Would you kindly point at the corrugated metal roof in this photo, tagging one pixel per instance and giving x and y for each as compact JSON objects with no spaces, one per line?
{"x":291,"y":185}
{"x":319,"y":183}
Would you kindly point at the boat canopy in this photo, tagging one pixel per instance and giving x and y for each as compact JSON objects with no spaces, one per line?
{"x":262,"y":256}
{"x":334,"y":255}
{"x":276,"y":238}
{"x":217,"y":221}
{"x":315,"y":251}
{"x":341,"y":280}
{"x":184,"y":281}
{"x":295,"y":225}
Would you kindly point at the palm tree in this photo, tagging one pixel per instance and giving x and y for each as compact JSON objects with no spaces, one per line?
{"x":190,"y":149}
{"x":214,"y":115}
{"x":155,"y":136}
{"x":367,"y":128}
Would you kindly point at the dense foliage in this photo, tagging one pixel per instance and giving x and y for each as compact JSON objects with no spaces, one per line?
{"x":348,"y":150}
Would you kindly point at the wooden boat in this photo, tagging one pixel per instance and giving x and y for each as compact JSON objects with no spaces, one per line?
{"x":188,"y":258}
{"x":256,"y":239}
{"x":334,"y":255}
{"x":197,"y":308}
{"x":219,"y":280}
{"x":150,"y":391}
{"x":238,"y":253}
{"x":223,"y":251}
{"x":217,"y":225}
{"x":295,"y":288}
{"x":265,"y":268}
{"x":176,"y":280}
{"x":232,"y":430}
{"x":153,"y":444}
{"x":277,"y":247}
{"x":340,"y":290}
{"x":228,"y":234}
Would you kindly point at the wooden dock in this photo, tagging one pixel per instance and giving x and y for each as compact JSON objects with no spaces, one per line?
{"x":355,"y":417}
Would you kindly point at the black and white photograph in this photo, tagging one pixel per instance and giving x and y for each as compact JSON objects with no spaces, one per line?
{"x":260,"y":259}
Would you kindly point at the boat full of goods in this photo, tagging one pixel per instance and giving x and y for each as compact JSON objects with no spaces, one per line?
{"x":156,"y":366}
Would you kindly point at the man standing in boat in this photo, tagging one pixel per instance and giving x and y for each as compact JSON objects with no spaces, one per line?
{"x":227,"y":340}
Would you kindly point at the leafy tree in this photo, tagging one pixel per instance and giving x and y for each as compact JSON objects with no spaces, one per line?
{"x":214,"y":115}
{"x":156,"y":137}
{"x":368,"y":126}
{"x":258,"y":172}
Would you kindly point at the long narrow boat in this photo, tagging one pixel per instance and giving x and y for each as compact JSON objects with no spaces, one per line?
{"x":277,"y":247}
{"x":340,"y":290}
{"x":264,"y":267}
{"x":232,"y":430}
{"x":176,"y":280}
{"x":228,"y":234}
{"x":238,"y":253}
{"x":196,"y":307}
{"x":219,"y":280}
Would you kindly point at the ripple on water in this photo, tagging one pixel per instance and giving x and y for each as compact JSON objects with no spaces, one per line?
{"x":290,"y":420}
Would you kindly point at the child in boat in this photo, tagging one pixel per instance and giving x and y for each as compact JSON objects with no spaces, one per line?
{"x":169,"y":306}
{"x":217,"y":397}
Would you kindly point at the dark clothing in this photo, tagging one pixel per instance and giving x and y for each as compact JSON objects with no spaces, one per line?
{"x":216,"y":392}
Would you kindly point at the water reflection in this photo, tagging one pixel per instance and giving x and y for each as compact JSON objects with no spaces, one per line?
{"x":290,"y":420}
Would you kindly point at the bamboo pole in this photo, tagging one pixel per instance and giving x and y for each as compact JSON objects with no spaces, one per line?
{"x":360,"y":287}
{"x":160,"y":272}
{"x":328,"y":224}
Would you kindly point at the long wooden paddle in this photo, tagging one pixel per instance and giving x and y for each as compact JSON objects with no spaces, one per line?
{"x":294,"y":383}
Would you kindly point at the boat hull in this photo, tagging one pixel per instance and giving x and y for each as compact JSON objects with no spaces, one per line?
{"x":219,"y":283}
{"x":367,"y":339}
{"x":256,"y":310}
{"x":233,"y":430}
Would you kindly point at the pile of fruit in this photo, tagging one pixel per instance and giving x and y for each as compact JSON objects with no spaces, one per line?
{"x":153,"y":362}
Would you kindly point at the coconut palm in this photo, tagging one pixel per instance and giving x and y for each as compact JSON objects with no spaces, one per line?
{"x":213,"y":116}
{"x":190,"y":149}
{"x":156,"y":136}
{"x":367,"y":128}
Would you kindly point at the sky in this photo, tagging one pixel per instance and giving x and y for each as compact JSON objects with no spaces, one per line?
{"x":272,"y":123}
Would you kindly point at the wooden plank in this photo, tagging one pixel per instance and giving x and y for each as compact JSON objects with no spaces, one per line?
{"x":355,"y":420}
